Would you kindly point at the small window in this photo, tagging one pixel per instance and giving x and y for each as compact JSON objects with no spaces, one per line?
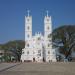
{"x":33,"y":52}
{"x":48,"y":45}
{"x":48,"y":36}
{"x":50,"y":40}
{"x":22,"y":52}
{"x":48,"y":28}
{"x":28,"y":35}
{"x":27,"y":19}
{"x":39,"y":38}
{"x":28,"y":28}
{"x":53,"y":52}
{"x":27,"y":52}
{"x":39,"y":52}
{"x":47,"y":19}
{"x":48,"y":52}
{"x":27,"y":45}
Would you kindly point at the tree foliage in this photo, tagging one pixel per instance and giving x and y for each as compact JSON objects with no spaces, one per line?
{"x":13,"y":48}
{"x":64,"y":39}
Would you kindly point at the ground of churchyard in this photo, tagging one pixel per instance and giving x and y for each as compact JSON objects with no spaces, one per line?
{"x":58,"y":68}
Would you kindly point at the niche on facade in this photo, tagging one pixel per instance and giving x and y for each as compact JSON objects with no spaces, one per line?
{"x":23,"y":52}
{"x":28,"y":19}
{"x":39,"y":52}
{"x":39,"y":38}
{"x":28,"y":27}
{"x":33,"y":59}
{"x":27,"y":45}
{"x":27,"y":52}
{"x":28,"y":35}
{"x":33,"y":52}
{"x":47,"y":20}
{"x":48,"y":28}
{"x":48,"y":45}
{"x":49,"y":36}
{"x":48,"y":52}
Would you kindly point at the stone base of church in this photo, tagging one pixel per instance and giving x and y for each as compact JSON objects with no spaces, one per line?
{"x":38,"y":60}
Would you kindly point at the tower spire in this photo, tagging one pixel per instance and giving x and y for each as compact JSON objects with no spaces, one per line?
{"x":28,"y":12}
{"x":47,"y":13}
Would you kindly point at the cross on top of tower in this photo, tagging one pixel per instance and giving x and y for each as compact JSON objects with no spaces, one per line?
{"x":47,"y":13}
{"x":28,"y":12}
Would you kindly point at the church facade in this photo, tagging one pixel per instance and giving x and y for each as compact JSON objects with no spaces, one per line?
{"x":38,"y":48}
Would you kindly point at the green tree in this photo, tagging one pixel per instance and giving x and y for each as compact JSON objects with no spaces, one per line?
{"x":16,"y":48}
{"x":64,"y":39}
{"x":17,"y":51}
{"x":13,"y":48}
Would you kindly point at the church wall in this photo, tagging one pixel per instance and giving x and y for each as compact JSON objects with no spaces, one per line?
{"x":38,"y":48}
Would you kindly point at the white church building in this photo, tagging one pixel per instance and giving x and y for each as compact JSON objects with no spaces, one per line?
{"x":38,"y":48}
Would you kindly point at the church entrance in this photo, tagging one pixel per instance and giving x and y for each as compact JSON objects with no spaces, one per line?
{"x":33,"y":59}
{"x":43,"y":59}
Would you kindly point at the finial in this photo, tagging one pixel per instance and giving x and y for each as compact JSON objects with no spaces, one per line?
{"x":28,"y":12}
{"x":47,"y":13}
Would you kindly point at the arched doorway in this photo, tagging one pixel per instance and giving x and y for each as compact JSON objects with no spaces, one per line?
{"x":33,"y":59}
{"x":43,"y":59}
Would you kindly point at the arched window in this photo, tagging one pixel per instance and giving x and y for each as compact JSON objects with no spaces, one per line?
{"x":39,"y":38}
{"x":28,"y":27}
{"x":39,"y":52}
{"x":47,"y":20}
{"x":22,"y":52}
{"x":48,"y":28}
{"x":28,"y":19}
{"x":27,"y":45}
{"x":28,"y":35}
{"x":27,"y":52}
{"x":49,"y":36}
{"x":48,"y":45}
{"x":48,"y":52}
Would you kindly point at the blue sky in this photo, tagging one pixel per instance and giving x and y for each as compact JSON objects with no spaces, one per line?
{"x":12,"y":14}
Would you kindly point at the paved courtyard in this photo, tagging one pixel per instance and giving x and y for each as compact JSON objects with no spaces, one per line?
{"x":37,"y":68}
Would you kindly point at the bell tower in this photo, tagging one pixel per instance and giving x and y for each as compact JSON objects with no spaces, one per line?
{"x":47,"y":25}
{"x":48,"y":40}
{"x":28,"y":27}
